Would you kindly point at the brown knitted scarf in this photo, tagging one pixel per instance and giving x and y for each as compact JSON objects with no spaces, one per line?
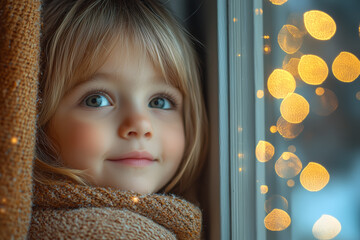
{"x":178,"y":216}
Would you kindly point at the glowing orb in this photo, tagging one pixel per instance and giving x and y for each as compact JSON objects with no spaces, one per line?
{"x":314,"y":177}
{"x":290,"y":183}
{"x":276,"y":201}
{"x":277,"y":220}
{"x":312,"y":69}
{"x":294,"y":108}
{"x":273,"y":129}
{"x":325,"y":103}
{"x":278,"y":2}
{"x":264,"y":151}
{"x":288,"y":165}
{"x":290,"y":39}
{"x":292,"y":66}
{"x":264,"y":189}
{"x":326,"y":227}
{"x":281,"y":83}
{"x":319,"y":25}
{"x":346,"y":67}
{"x":260,"y":94}
{"x":288,"y":130}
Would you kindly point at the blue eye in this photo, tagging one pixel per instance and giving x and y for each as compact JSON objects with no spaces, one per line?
{"x":96,"y":101}
{"x":160,"y":102}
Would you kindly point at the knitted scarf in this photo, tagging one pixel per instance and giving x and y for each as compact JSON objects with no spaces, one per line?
{"x":118,"y":214}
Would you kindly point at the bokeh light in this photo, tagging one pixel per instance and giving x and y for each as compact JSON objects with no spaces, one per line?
{"x":314,"y":177}
{"x":280,"y":83}
{"x":319,"y":24}
{"x":319,"y":91}
{"x":294,"y":108}
{"x":260,"y":94}
{"x":278,"y":2}
{"x":264,"y":189}
{"x":292,"y":148}
{"x":273,"y":129}
{"x":291,"y":65}
{"x":267,"y":49}
{"x":264,"y":151}
{"x":326,"y":227}
{"x":288,"y":165}
{"x":276,"y":201}
{"x":357,"y":95}
{"x":288,"y":130}
{"x":312,"y":69}
{"x":290,"y":183}
{"x":346,"y":67}
{"x":290,"y":39}
{"x":324,"y":104}
{"x":277,"y":220}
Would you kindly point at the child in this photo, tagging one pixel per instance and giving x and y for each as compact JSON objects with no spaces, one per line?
{"x":121,"y":122}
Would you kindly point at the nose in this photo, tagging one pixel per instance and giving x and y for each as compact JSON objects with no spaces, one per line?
{"x":136,"y":126}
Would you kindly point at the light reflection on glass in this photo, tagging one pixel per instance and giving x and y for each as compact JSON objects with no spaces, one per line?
{"x":278,"y":2}
{"x":288,"y":130}
{"x":290,"y":183}
{"x":326,"y":103}
{"x":264,"y":189}
{"x":288,"y":165}
{"x":260,"y":94}
{"x":326,"y":227}
{"x":290,"y":39}
{"x":346,"y":67}
{"x":276,"y":201}
{"x":277,"y":220}
{"x":319,"y":25}
{"x":314,"y":177}
{"x":294,"y":108}
{"x":264,"y":151}
{"x":280,"y":83}
{"x":312,"y":69}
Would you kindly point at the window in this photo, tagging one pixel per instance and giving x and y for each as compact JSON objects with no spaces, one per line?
{"x":294,"y":103}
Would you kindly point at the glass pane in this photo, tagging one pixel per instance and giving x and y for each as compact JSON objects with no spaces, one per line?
{"x":308,"y":145}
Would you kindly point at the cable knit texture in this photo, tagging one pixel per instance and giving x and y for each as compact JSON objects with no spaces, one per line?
{"x":19,"y":68}
{"x":70,"y":211}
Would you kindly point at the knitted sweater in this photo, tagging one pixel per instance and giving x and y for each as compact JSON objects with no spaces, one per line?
{"x":70,"y":211}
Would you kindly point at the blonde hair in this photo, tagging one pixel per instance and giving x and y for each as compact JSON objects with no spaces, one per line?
{"x":78,"y":36}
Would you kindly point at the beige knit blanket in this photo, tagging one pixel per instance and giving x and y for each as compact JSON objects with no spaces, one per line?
{"x":70,"y":211}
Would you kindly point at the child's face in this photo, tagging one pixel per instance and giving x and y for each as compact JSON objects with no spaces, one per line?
{"x":124,"y":125}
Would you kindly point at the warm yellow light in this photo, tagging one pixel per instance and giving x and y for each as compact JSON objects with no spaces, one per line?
{"x":266,"y":37}
{"x":240,"y":169}
{"x":280,"y":83}
{"x":234,"y":19}
{"x":267,"y":49}
{"x":290,"y":39}
{"x":264,"y":151}
{"x":314,"y":177}
{"x":258,"y":11}
{"x":135,"y":199}
{"x":14,"y":140}
{"x":292,"y":66}
{"x":312,"y":69}
{"x":260,"y":94}
{"x":326,"y":103}
{"x":288,"y":130}
{"x":290,"y":183}
{"x":319,"y":25}
{"x":277,"y":220}
{"x":240,"y":155}
{"x":264,"y":189}
{"x":294,"y":108}
{"x":292,"y":148}
{"x":276,"y":201}
{"x":319,"y":91}
{"x":240,"y":129}
{"x":278,"y":2}
{"x":346,"y":67}
{"x":239,"y":55}
{"x":288,"y":165}
{"x":273,"y":129}
{"x":326,"y":227}
{"x":357,"y":95}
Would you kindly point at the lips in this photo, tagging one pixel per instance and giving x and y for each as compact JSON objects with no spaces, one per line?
{"x":135,"y":158}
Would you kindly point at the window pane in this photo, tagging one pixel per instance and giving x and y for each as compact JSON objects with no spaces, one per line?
{"x":303,"y":75}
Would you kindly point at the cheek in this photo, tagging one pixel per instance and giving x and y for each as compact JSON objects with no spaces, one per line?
{"x":81,"y":142}
{"x":174,"y":143}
